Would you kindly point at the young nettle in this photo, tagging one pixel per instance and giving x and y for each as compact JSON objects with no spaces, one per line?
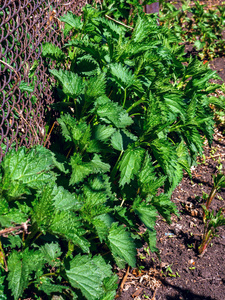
{"x":212,"y":223}
{"x":218,"y":183}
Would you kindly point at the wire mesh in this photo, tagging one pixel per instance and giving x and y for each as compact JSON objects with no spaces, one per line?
{"x":25,"y":85}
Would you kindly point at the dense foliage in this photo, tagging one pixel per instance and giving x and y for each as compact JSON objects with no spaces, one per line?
{"x":133,"y":113}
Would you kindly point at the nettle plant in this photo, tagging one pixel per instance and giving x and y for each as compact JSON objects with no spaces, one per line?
{"x":212,"y":220}
{"x":132,"y":118}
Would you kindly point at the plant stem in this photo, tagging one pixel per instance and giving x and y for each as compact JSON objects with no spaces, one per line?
{"x":2,"y":254}
{"x":207,"y":237}
{"x":211,"y":196}
{"x":113,"y":173}
{"x":119,"y":22}
{"x":125,"y":97}
{"x":136,"y":104}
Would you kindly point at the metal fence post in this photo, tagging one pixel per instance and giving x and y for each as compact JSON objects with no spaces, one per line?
{"x":152,"y":8}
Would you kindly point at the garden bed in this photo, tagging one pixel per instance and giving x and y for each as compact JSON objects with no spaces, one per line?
{"x":133,"y":110}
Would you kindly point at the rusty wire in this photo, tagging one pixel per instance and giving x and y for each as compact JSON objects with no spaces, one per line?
{"x":24,"y":26}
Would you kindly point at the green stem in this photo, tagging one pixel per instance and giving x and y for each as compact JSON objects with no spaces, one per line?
{"x":49,"y":274}
{"x":113,"y":173}
{"x":209,"y":200}
{"x":31,"y":236}
{"x":125,"y":97}
{"x":205,"y":242}
{"x":211,"y":196}
{"x":136,"y":104}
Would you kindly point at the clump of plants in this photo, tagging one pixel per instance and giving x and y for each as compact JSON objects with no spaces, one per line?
{"x":211,"y":220}
{"x":212,"y":223}
{"x":196,"y":24}
{"x":132,"y":118}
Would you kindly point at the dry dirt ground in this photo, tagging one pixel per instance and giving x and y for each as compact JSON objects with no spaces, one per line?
{"x":182,"y":274}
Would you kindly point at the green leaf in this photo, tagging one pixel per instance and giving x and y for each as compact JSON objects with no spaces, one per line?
{"x":103,"y":132}
{"x":112,"y":113}
{"x":110,"y":286}
{"x":26,"y":87}
{"x":18,"y":274}
{"x":122,"y":75}
{"x":148,"y":180}
{"x":21,"y":265}
{"x":25,"y":169}
{"x":102,"y":224}
{"x":99,"y":166}
{"x":72,"y":22}
{"x":67,"y":225}
{"x":52,"y":51}
{"x":130,"y":164}
{"x":166,"y":155}
{"x":49,"y":288}
{"x":164,"y":206}
{"x":122,"y":244}
{"x":43,"y":209}
{"x":95,"y":87}
{"x":89,"y":282}
{"x":64,"y":200}
{"x":117,"y":141}
{"x":146,"y":213}
{"x":51,"y":252}
{"x":71,"y":83}
{"x":80,"y":170}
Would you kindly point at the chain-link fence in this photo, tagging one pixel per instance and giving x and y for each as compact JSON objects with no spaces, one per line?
{"x":25,"y":86}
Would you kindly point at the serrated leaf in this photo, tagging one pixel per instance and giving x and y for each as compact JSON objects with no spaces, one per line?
{"x":89,"y":282}
{"x":51,"y":252}
{"x":64,"y":200}
{"x":52,"y":51}
{"x":166,"y":155}
{"x":98,"y":166}
{"x":43,"y":209}
{"x":71,"y":83}
{"x":25,"y":169}
{"x":112,"y":113}
{"x":105,"y":269}
{"x":72,"y":22}
{"x":18,"y":274}
{"x":122,"y":75}
{"x":26,"y":87}
{"x":95,"y":87}
{"x":164,"y":206}
{"x":183,"y":156}
{"x":13,"y":241}
{"x":117,"y":141}
{"x":103,"y":132}
{"x":49,"y":288}
{"x":149,"y":182}
{"x":67,"y":225}
{"x":122,"y":244}
{"x":80,"y":170}
{"x":110,"y":286}
{"x":130,"y":164}
{"x":21,"y":265}
{"x":146,"y":212}
{"x":102,"y":224}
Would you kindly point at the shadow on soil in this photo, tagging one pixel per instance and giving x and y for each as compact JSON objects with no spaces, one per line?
{"x":184,"y":294}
